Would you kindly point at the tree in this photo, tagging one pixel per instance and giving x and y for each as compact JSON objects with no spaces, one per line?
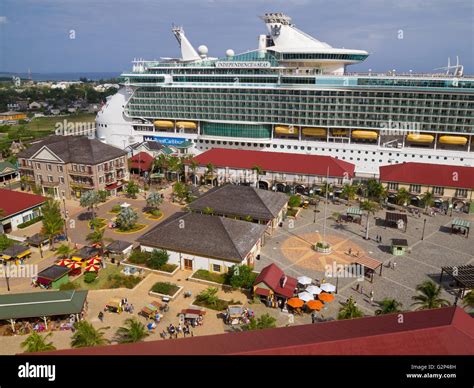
{"x":53,"y":223}
{"x":133,"y":331}
{"x":265,"y":321}
{"x":375,"y":190}
{"x":428,"y":199}
{"x":388,"y":306}
{"x":349,"y":310}
{"x":89,"y":200}
{"x":37,"y":343}
{"x":157,"y":259}
{"x":429,"y":296}
{"x":126,"y":219}
{"x":97,"y":237}
{"x":103,"y":195}
{"x":370,"y":208}
{"x":468,"y":300}
{"x":87,"y":335}
{"x":180,"y":191}
{"x":64,"y":250}
{"x":240,"y":276}
{"x":5,"y":242}
{"x":175,"y":165}
{"x":402,"y":197}
{"x":294,"y":201}
{"x":161,"y":163}
{"x":327,"y":188}
{"x":210,"y":169}
{"x":208,"y":210}
{"x":258,"y":171}
{"x":154,"y":201}
{"x":132,"y":189}
{"x":209,"y":296}
{"x":193,"y":165}
{"x":349,"y":192}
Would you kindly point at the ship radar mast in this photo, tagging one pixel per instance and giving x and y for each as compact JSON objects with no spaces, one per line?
{"x":457,"y":69}
{"x":188,"y":53}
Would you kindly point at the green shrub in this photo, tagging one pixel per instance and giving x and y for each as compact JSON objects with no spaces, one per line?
{"x":210,"y":276}
{"x":165,"y":288}
{"x":121,"y":281}
{"x":139,"y":257}
{"x":116,"y":209}
{"x":168,"y":267}
{"x":294,"y":201}
{"x":30,"y":222}
{"x":157,"y":259}
{"x":89,"y":277}
{"x":240,"y":276}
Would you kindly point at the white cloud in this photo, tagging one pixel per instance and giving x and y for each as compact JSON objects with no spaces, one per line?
{"x":3,"y":19}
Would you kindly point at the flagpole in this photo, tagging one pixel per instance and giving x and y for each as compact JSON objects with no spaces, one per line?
{"x":326,"y":205}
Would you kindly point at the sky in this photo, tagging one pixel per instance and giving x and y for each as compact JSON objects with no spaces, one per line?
{"x":105,"y":35}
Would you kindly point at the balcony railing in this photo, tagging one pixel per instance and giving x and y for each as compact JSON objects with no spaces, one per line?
{"x":77,"y":172}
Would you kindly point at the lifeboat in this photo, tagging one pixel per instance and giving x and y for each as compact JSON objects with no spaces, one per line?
{"x":420,"y":138}
{"x":339,"y":132}
{"x":366,"y":135}
{"x":317,"y":132}
{"x":186,"y":124}
{"x":453,"y":140}
{"x":163,"y":124}
{"x":286,"y":130}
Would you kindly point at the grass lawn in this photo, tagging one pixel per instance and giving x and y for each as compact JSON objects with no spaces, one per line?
{"x":165,"y":288}
{"x":109,"y":277}
{"x":155,"y":217}
{"x":209,"y":276}
{"x":135,"y":229}
{"x":49,"y":123}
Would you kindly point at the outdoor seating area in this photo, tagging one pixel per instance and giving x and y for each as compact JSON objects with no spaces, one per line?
{"x":459,"y":226}
{"x":462,"y":277}
{"x":237,"y":315}
{"x":354,"y":214}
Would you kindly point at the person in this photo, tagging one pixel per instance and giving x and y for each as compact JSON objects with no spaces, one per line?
{"x":371,"y":300}
{"x":394,"y":265}
{"x":371,"y":293}
{"x":101,"y":316}
{"x":350,"y":251}
{"x":358,"y":287}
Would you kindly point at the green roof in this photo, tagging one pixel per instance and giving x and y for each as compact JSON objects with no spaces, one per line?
{"x":41,"y":304}
{"x":354,"y":211}
{"x":462,"y":223}
{"x":168,"y":151}
{"x":6,"y":166}
{"x":184,"y":144}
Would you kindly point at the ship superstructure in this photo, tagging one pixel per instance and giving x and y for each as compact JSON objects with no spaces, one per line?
{"x":294,"y":94}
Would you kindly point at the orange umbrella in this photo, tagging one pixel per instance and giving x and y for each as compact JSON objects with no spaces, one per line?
{"x":295,"y":303}
{"x":94,"y":260}
{"x":325,"y":297}
{"x":64,"y":262}
{"x":74,"y":265}
{"x":315,"y":305}
{"x":92,"y":268}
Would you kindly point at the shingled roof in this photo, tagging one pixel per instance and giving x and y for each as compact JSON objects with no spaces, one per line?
{"x":75,"y":149}
{"x":233,"y":200}
{"x":205,"y":235}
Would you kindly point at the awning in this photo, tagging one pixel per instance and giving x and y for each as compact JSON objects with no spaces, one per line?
{"x":461,"y":223}
{"x":354,"y":211}
{"x":367,"y":262}
{"x":262,"y":291}
{"x":113,"y":186}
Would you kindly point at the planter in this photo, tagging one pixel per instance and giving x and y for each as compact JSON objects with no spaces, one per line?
{"x":172,"y":297}
{"x":170,"y":274}
{"x":324,"y":249}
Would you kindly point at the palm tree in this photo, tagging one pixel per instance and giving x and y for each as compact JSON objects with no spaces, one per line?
{"x":349,"y":310}
{"x":87,"y":335}
{"x":376,"y":190}
{"x":468,"y":300}
{"x":154,"y":200}
{"x":37,"y":343}
{"x":90,"y":199}
{"x":209,"y":169}
{"x":427,"y":199}
{"x":402,"y":197}
{"x":258,"y":171}
{"x":53,"y":223}
{"x":209,"y":296}
{"x":429,"y":296}
{"x":64,"y":250}
{"x":349,"y":192}
{"x":370,"y":208}
{"x":133,"y":331}
{"x":327,"y":188}
{"x":97,"y":237}
{"x":388,"y":306}
{"x":193,"y":167}
{"x":132,"y":189}
{"x":176,"y":166}
{"x":208,"y":210}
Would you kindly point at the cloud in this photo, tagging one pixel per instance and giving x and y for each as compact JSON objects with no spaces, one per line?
{"x":3,"y":19}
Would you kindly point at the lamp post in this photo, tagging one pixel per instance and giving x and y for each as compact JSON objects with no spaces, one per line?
{"x":423,"y":233}
{"x":65,"y":218}
{"x":6,"y":275}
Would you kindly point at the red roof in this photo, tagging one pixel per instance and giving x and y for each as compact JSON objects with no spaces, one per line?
{"x":429,"y":174}
{"x":141,"y":161}
{"x":445,"y":331}
{"x":13,"y":202}
{"x":276,"y":162}
{"x":272,"y":276}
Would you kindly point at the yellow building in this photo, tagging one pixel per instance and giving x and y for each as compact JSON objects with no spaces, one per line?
{"x":12,"y":116}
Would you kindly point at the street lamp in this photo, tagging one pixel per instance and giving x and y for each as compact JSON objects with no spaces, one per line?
{"x":65,"y":218}
{"x":423,"y":233}
{"x":6,"y":276}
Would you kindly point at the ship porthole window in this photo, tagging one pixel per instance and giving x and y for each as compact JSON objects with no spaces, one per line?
{"x":274,"y":146}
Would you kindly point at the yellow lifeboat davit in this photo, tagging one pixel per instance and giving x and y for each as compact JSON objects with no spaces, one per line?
{"x":339,"y":132}
{"x":318,"y":132}
{"x":286,"y":130}
{"x":164,"y":124}
{"x":186,"y":124}
{"x":453,"y":140}
{"x":366,"y":135}
{"x":420,"y":138}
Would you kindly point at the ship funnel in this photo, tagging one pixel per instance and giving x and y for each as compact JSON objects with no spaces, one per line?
{"x":187,"y":50}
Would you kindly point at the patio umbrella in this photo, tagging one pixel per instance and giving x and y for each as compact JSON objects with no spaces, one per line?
{"x":94,"y":260}
{"x":92,"y":268}
{"x":313,"y":290}
{"x":328,"y":287}
{"x":295,"y":303}
{"x":304,"y":280}
{"x":74,"y":265}
{"x":64,"y":262}
{"x":315,"y":305}
{"x":325,"y":297}
{"x":305,"y":296}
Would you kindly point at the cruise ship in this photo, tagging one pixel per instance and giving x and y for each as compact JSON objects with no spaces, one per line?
{"x":293,"y":93}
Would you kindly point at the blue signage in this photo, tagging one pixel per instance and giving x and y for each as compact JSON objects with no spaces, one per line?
{"x":165,"y":140}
